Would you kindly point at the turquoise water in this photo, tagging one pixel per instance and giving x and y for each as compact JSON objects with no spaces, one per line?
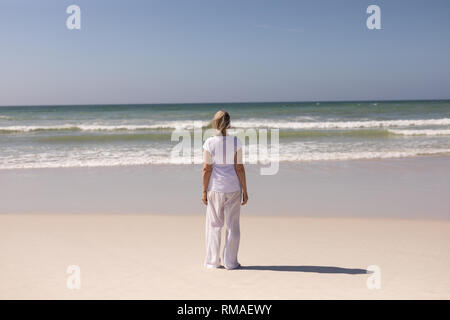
{"x":110,"y":135}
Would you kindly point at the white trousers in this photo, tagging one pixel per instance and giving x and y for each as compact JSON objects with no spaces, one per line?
{"x":222,"y":206}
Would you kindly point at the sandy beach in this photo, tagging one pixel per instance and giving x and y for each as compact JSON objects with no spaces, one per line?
{"x":309,"y":232}
{"x":160,"y":257}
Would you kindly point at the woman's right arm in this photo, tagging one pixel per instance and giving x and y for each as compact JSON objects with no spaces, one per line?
{"x":240,"y":172}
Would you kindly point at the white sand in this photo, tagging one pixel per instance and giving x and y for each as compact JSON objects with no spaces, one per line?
{"x":159,"y":257}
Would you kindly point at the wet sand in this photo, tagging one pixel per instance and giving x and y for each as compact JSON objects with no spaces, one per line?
{"x":412,"y":188}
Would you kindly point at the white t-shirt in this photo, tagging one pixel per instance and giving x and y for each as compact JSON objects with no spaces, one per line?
{"x":222,"y":150}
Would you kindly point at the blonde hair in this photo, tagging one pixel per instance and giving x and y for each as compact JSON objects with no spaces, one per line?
{"x":221,"y":121}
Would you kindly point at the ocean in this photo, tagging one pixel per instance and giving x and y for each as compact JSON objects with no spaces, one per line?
{"x":121,"y":135}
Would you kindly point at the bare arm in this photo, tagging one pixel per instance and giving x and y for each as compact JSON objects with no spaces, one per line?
{"x":240,"y":172}
{"x":206,"y":174}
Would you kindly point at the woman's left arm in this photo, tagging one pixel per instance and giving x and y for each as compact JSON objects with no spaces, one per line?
{"x":206,"y":174}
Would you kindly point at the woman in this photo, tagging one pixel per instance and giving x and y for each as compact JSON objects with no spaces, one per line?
{"x":223,"y":186}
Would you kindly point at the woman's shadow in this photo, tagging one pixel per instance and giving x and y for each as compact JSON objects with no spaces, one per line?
{"x":315,"y":269}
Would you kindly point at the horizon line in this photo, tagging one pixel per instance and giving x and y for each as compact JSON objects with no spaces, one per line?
{"x":222,"y":102}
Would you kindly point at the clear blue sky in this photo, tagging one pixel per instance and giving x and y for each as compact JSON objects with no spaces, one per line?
{"x":143,"y":51}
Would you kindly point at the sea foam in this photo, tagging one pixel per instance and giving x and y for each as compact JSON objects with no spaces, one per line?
{"x":254,"y":123}
{"x":340,"y":124}
{"x":424,"y":132}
